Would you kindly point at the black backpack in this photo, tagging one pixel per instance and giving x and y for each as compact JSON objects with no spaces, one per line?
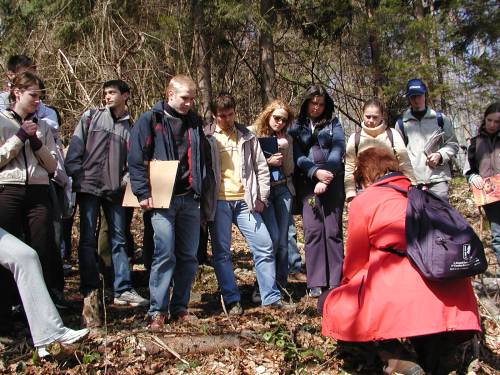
{"x":440,"y":242}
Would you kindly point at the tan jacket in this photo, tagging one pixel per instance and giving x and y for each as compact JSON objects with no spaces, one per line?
{"x":288,"y":164}
{"x":255,"y":175}
{"x":19,"y":165}
{"x":374,"y":137}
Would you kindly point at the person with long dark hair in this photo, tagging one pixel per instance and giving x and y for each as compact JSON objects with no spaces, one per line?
{"x":483,"y":157}
{"x":319,"y":147}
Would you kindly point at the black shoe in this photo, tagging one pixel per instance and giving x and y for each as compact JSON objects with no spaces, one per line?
{"x":280,"y":304}
{"x":59,"y":301}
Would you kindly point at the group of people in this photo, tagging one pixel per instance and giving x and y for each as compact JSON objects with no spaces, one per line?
{"x":254,"y":177}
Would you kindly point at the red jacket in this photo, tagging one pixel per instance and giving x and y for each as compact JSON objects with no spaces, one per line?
{"x":382,"y":296}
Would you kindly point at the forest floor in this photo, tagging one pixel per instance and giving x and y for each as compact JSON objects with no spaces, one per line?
{"x":262,"y":341}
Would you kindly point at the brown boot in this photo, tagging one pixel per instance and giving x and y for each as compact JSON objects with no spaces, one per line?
{"x":91,"y":314}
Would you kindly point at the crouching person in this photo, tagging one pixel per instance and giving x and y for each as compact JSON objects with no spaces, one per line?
{"x":97,"y":162}
{"x":382,"y":297}
{"x":242,"y":189}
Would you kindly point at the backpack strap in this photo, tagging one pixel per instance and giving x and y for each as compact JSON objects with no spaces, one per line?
{"x":397,"y":188}
{"x":388,"y":130}
{"x":440,"y":120}
{"x":357,"y":139}
{"x":401,"y":128}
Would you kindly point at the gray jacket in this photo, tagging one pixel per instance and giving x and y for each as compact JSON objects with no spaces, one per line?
{"x":418,"y":133}
{"x":255,"y":175}
{"x":97,"y":154}
{"x":19,"y":164}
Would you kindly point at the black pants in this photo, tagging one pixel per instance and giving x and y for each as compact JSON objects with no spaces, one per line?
{"x":26,"y":213}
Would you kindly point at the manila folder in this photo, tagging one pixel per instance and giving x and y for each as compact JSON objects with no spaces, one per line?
{"x":162,"y":175}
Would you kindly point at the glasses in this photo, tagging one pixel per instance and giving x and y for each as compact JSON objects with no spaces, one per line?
{"x":280,"y":118}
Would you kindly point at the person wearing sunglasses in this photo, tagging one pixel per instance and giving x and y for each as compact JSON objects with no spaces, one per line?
{"x":272,"y":125}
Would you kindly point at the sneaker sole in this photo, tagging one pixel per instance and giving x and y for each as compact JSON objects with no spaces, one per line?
{"x":131,"y":304}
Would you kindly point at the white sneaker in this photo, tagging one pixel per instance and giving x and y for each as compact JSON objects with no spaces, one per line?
{"x":70,"y":337}
{"x":131,"y":298}
{"x":73,"y":336}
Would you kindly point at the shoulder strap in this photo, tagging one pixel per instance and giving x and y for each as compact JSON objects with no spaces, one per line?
{"x":357,"y":139}
{"x":397,"y":188}
{"x":388,"y":130}
{"x":401,"y":128}
{"x":440,"y":120}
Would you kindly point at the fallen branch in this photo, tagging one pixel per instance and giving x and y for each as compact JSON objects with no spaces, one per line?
{"x":177,"y":345}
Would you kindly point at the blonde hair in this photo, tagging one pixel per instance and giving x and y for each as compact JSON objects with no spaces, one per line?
{"x":178,"y":81}
{"x":261,"y":124}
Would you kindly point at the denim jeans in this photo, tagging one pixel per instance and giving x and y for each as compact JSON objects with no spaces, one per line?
{"x":87,"y":251}
{"x":492,"y":211}
{"x":294,"y":258}
{"x":276,"y":216}
{"x":176,"y":235}
{"x":254,"y":230}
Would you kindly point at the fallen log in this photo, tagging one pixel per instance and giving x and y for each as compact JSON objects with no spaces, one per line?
{"x":188,"y":344}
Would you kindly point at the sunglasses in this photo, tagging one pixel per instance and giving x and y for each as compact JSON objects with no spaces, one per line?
{"x":280,"y":118}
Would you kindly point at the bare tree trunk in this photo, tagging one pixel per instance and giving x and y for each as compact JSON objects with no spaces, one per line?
{"x":378,"y":75}
{"x":203,"y":63}
{"x":439,"y":64}
{"x":419,"y":13}
{"x":266,"y":49}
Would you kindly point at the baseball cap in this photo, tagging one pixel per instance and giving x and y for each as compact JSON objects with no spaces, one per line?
{"x":415,"y":87}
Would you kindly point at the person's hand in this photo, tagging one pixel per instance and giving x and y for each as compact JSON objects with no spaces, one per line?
{"x":259,"y":206}
{"x":275,"y":160}
{"x":434,"y":159}
{"x":146,"y":204}
{"x":320,"y":188}
{"x":29,"y":127}
{"x":477,"y":181}
{"x":324,"y":176}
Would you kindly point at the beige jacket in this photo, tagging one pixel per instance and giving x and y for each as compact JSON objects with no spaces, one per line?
{"x":374,"y":137}
{"x":288,"y":164}
{"x":19,"y":165}
{"x":255,"y":175}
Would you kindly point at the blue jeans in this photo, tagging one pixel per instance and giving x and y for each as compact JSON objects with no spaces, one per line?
{"x":254,"y":230}
{"x":176,"y":236}
{"x":277,"y":217}
{"x":294,"y":259}
{"x":87,"y":256}
{"x":492,"y":211}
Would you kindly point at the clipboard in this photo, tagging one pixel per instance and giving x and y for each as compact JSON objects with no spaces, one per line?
{"x":162,"y":175}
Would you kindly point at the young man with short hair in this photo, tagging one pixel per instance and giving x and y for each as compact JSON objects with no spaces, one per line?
{"x":417,"y":125}
{"x":171,"y":130}
{"x":97,"y":162}
{"x":242,"y":186}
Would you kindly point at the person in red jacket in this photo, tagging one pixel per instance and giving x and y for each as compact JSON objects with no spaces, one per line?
{"x":382,"y":297}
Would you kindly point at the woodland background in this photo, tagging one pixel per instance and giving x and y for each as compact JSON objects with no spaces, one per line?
{"x":257,"y":50}
{"x":260,"y":50}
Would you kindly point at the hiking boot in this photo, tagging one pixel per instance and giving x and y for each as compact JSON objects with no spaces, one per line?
{"x":130,"y":298}
{"x":91,"y":314}
{"x":403,"y":367}
{"x":234,"y":309}
{"x":256,"y":294}
{"x":298,"y":277}
{"x":185,"y":317}
{"x":157,"y":322}
{"x":58,"y":298}
{"x":281,"y":305}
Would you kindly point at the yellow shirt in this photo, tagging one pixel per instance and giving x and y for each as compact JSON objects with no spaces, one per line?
{"x":231,"y":188}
